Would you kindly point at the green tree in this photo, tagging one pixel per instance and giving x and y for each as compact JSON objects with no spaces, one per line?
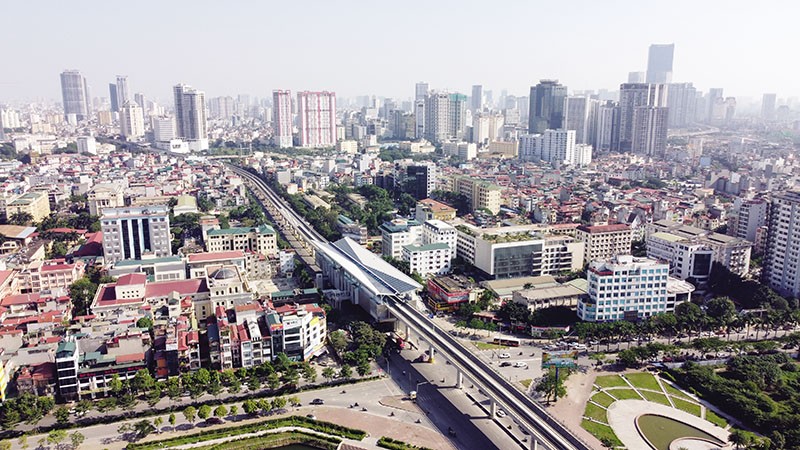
{"x":145,"y":322}
{"x":190,"y":413}
{"x":552,"y":385}
{"x":338,"y":341}
{"x":345,"y":372}
{"x":234,"y":410}
{"x":143,"y":428}
{"x":81,"y":292}
{"x":172,"y":420}
{"x":142,"y":381}
{"x":363,"y":368}
{"x":157,"y":422}
{"x":273,"y":381}
{"x":279,"y":402}
{"x":309,"y":372}
{"x":62,"y":415}
{"x":329,"y":373}
{"x":20,"y":218}
{"x":220,"y":411}
{"x":115,"y":385}
{"x":56,"y":437}
{"x":23,"y":441}
{"x":294,"y":401}
{"x":204,"y":412}
{"x":76,"y":439}
{"x":250,"y":407}
{"x":738,"y":438}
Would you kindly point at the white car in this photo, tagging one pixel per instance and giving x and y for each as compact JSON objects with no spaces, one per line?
{"x":504,"y":355}
{"x":520,"y":364}
{"x":501,"y":413}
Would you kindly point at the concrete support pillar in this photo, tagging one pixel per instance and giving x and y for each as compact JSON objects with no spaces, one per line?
{"x":534,"y":443}
{"x":459,"y":379}
{"x":492,"y":408}
{"x":408,"y":332}
{"x":431,"y":352}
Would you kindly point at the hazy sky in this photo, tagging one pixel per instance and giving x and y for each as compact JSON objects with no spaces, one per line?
{"x":384,"y":47}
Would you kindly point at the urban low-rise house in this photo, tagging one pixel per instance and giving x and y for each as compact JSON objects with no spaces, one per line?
{"x":447,"y":293}
{"x":85,"y":367}
{"x":604,"y":241}
{"x":548,"y":296}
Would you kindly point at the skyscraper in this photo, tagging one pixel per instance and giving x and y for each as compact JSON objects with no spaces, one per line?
{"x":715,"y":110}
{"x":75,"y":94}
{"x":112,"y":95}
{"x":477,"y":97}
{"x":659,"y":63}
{"x":546,"y":106}
{"x":421,"y":92}
{"x":781,"y":262}
{"x":123,"y":93}
{"x":576,"y":117}
{"x":317,"y":118}
{"x":421,"y":180}
{"x":131,"y":121}
{"x":282,"y":119}
{"x":445,"y":116}
{"x":768,"y":106}
{"x":681,"y":101}
{"x":636,"y":77}
{"x":650,"y":130}
{"x":190,"y":116}
{"x":632,"y":96}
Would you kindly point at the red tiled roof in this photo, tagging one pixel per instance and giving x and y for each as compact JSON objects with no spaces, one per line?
{"x":182,"y":287}
{"x":54,"y":267}
{"x":133,"y":357}
{"x":131,"y":279}
{"x":604,"y":228}
{"x":5,"y":275}
{"x":214,"y":256}
{"x":20,"y":299}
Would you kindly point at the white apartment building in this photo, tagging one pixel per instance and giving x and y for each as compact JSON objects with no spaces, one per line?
{"x":282,"y":118}
{"x":317,"y":118}
{"x":131,"y":232}
{"x":782,"y":254}
{"x":262,"y":239}
{"x":625,"y":287}
{"x":687,"y":259}
{"x":518,"y":251}
{"x":748,"y":216}
{"x":428,"y":259}
{"x":731,"y":252}
{"x":604,"y":241}
{"x":437,"y":231}
{"x":554,"y":146}
{"x":131,"y":121}
{"x":398,"y":233}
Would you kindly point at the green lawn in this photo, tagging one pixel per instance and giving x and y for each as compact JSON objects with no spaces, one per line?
{"x":625,"y":394}
{"x":596,"y":412}
{"x":643,"y":380}
{"x":601,"y":431}
{"x":601,"y":398}
{"x":675,"y":392}
{"x":526,"y":382}
{"x":714,"y":418}
{"x":691,"y":408}
{"x":607,"y":381}
{"x":488,"y":346}
{"x":655,"y":397}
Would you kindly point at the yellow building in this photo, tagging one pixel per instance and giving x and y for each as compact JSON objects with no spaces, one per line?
{"x":481,"y":194}
{"x":34,"y":203}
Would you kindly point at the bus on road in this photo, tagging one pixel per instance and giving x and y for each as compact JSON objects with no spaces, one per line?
{"x":508,"y":342}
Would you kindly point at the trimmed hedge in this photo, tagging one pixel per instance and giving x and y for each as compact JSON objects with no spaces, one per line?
{"x":394,"y":444}
{"x":277,"y":440}
{"x":291,"y":421}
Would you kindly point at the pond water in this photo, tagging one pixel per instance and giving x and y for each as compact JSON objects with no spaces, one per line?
{"x":660,"y":430}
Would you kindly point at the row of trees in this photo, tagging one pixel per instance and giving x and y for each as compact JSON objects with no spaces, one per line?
{"x":719,"y":315}
{"x":55,"y":437}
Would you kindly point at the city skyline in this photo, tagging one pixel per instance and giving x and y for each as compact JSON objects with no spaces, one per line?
{"x":711,"y":46}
